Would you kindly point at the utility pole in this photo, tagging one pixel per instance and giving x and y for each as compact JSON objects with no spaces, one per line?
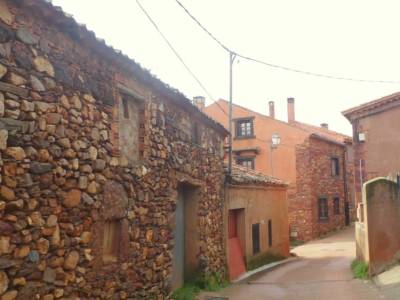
{"x":232,"y":57}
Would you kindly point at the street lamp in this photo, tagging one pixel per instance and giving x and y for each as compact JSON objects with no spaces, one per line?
{"x":275,"y":141}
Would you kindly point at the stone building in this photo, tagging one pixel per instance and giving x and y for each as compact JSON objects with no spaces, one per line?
{"x":256,"y":214}
{"x":376,"y":125}
{"x":102,"y":165}
{"x":314,"y":160}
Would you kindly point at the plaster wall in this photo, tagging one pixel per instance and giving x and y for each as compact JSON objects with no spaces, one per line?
{"x":382,"y":223}
{"x":261,"y":204}
{"x":283,"y":157}
{"x":378,"y":154}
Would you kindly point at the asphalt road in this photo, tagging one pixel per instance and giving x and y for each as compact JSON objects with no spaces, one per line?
{"x":322,"y":272}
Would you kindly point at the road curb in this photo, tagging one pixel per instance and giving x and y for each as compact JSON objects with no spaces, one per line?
{"x":264,"y":269}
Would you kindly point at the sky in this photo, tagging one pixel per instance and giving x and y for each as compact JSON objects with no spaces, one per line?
{"x":346,"y":38}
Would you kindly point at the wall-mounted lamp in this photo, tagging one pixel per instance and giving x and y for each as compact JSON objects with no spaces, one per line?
{"x":275,"y":141}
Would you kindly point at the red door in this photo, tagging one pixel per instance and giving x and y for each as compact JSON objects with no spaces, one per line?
{"x":235,"y":255}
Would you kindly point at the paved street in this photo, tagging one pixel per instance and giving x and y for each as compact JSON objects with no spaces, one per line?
{"x":321,"y":272}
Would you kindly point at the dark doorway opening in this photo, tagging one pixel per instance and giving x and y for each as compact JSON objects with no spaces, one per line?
{"x":347,"y":212}
{"x":256,"y":237}
{"x":186,"y":235}
{"x":269,"y":233}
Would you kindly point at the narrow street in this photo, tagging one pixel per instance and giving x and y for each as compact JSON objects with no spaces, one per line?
{"x":321,"y":272}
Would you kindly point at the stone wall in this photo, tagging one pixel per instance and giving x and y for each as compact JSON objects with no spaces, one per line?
{"x":315,"y":180}
{"x":62,"y":178}
{"x":300,"y":202}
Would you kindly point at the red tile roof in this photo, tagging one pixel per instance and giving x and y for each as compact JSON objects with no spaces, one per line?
{"x":243,"y":176}
{"x":327,"y":133}
{"x":323,"y":132}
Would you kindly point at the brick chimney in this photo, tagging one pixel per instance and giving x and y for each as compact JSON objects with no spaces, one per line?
{"x":271,"y":105}
{"x":290,"y":110}
{"x":200,"y":102}
{"x":325,"y":125}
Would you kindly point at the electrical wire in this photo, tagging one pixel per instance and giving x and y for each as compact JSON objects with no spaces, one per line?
{"x":202,"y":27}
{"x":179,"y":56}
{"x":271,"y":65}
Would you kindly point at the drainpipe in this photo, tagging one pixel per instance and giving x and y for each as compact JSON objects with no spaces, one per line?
{"x":345,"y":182}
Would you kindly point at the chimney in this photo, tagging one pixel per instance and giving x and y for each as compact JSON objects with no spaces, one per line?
{"x":290,"y":110}
{"x":272,"y":109}
{"x":200,"y":102}
{"x":325,"y":125}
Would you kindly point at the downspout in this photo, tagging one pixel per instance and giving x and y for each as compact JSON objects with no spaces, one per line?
{"x":345,"y":180}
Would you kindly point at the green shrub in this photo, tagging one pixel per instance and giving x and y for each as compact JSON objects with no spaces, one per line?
{"x":359,"y":269}
{"x":263,"y":259}
{"x":187,"y":292}
{"x":211,"y":283}
{"x":295,"y":243}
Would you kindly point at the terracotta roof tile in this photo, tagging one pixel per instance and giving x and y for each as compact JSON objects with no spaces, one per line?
{"x":327,"y":133}
{"x":323,"y":132}
{"x":242,"y":175}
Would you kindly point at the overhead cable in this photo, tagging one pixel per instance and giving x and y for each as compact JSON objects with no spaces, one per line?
{"x":178,"y":56}
{"x":271,"y":65}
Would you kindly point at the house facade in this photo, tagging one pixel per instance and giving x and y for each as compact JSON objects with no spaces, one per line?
{"x":256,"y":219}
{"x":111,"y":181}
{"x":375,"y":138}
{"x":314,"y":160}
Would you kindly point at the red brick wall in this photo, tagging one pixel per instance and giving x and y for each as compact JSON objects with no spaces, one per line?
{"x":314,"y":180}
{"x":300,"y":207}
{"x":326,"y":185}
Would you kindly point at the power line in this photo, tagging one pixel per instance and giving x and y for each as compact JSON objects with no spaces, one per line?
{"x":315,"y":74}
{"x":178,"y":56}
{"x":202,"y":27}
{"x":271,"y":65}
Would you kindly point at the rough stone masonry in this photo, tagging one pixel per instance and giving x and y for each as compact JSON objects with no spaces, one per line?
{"x":63,"y":178}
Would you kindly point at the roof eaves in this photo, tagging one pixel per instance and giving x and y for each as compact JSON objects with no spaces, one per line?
{"x":326,"y":139}
{"x":369,"y":107}
{"x":244,"y":176}
{"x":146,"y":76}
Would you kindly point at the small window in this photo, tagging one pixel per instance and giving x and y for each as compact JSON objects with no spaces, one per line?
{"x":196,"y":134}
{"x":244,"y":128}
{"x":336,"y":206}
{"x":323,"y":209}
{"x":125,"y":107}
{"x":111,"y":240}
{"x":335,"y":166}
{"x":247,"y":162}
{"x":270,"y":233}
{"x":256,"y":237}
{"x":361,"y":137}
